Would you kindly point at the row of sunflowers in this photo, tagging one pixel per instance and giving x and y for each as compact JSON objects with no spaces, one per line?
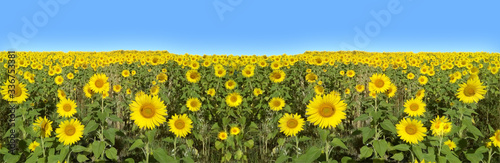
{"x":155,"y":106}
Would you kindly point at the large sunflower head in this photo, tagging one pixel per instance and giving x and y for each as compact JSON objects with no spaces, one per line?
{"x":414,"y":107}
{"x":66,"y":107}
{"x":379,"y":83}
{"x":70,"y":131}
{"x":99,"y":83}
{"x":20,"y":92}
{"x":193,"y":104}
{"x":495,"y":139}
{"x":180,"y":125}
{"x":326,"y":111}
{"x":277,"y":76}
{"x":44,"y":126}
{"x":411,"y":131}
{"x":148,"y":111}
{"x":231,"y":84}
{"x":277,"y":103}
{"x":472,"y":91}
{"x":234,"y":99}
{"x":193,"y":76}
{"x":311,"y":77}
{"x":291,"y":124}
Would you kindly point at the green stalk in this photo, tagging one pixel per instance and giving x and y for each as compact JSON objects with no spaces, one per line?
{"x":43,"y":146}
{"x":297,"y":145}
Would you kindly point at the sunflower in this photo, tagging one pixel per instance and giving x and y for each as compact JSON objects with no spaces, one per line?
{"x":180,"y":125}
{"x":61,"y":94}
{"x":44,"y":126}
{"x":247,"y":72}
{"x":291,"y":124}
{"x":342,"y":72}
{"x":311,"y":77}
{"x":411,"y":131}
{"x":347,"y":91}
{"x":420,"y":94}
{"x":450,"y":144}
{"x":70,"y":76}
{"x":360,"y":88}
{"x":234,"y":99}
{"x":391,"y":91}
{"x":414,"y":107}
{"x":495,"y":139}
{"x":277,"y":76}
{"x":162,"y":77}
{"x":423,"y":80}
{"x":211,"y":92}
{"x":350,"y":73}
{"x":133,"y":72}
{"x":235,"y":130}
{"x":193,"y":104}
{"x":193,"y":76}
{"x":129,"y":91}
{"x":220,"y":72}
{"x":88,"y":91}
{"x":154,"y":90}
{"x":318,"y":89}
{"x":277,"y":103}
{"x":222,"y":135}
{"x":33,"y":146}
{"x":326,"y":111}
{"x":472,"y":91}
{"x":257,"y":91}
{"x":99,"y":83}
{"x":70,"y":131}
{"x":410,"y":76}
{"x":148,"y":111}
{"x":379,"y":83}
{"x":440,"y":126}
{"x":20,"y":92}
{"x":230,"y":84}
{"x":66,"y":107}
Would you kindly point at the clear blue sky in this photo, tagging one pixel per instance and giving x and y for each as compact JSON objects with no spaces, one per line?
{"x":250,"y":26}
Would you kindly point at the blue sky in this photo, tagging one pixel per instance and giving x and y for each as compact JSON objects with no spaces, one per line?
{"x":250,"y":27}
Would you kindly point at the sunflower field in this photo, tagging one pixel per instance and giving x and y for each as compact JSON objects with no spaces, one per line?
{"x":155,"y":106}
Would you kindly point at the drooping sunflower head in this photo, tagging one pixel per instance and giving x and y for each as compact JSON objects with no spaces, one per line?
{"x":291,"y":124}
{"x":70,"y":131}
{"x":88,"y":91}
{"x":193,"y":76}
{"x":414,"y":107}
{"x":66,"y":107}
{"x":99,"y":83}
{"x":222,"y":135}
{"x":495,"y":139}
{"x":277,"y":76}
{"x":148,"y":111}
{"x":193,"y":104}
{"x":379,"y":83}
{"x":180,"y":125}
{"x":234,"y":99}
{"x":61,"y":94}
{"x":277,"y":103}
{"x":326,"y":111}
{"x":311,"y":77}
{"x":235,"y":130}
{"x":44,"y":126}
{"x":420,"y":94}
{"x":391,"y":91}
{"x":231,"y":84}
{"x":411,"y":131}
{"x":472,"y":91}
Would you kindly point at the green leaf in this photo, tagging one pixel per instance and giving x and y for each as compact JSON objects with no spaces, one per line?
{"x":381,"y":147}
{"x":389,"y":126}
{"x":151,"y":135}
{"x":367,"y":133}
{"x":282,"y":158}
{"x":365,"y":152}
{"x":115,"y":118}
{"x":323,"y":134}
{"x":398,"y":156}
{"x":137,"y":144}
{"x":188,"y":159}
{"x":97,"y":148}
{"x":346,"y":159}
{"x":281,"y":141}
{"x":189,"y":142}
{"x":228,"y":156}
{"x":442,"y":159}
{"x":253,"y":126}
{"x":111,"y":153}
{"x":81,"y":158}
{"x":78,"y":148}
{"x":401,"y":147}
{"x":474,"y":157}
{"x":91,"y":126}
{"x":418,"y":152}
{"x":336,"y":142}
{"x":311,"y":155}
{"x":304,"y":138}
{"x":249,"y":143}
{"x":129,"y":160}
{"x":238,"y":154}
{"x":161,"y":156}
{"x":471,"y":128}
{"x":215,"y":127}
{"x":361,"y":117}
{"x":218,"y":145}
{"x":110,"y":134}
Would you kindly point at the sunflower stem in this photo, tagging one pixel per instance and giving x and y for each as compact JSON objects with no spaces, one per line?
{"x":297,"y":145}
{"x":43,"y":146}
{"x":440,"y":145}
{"x":147,"y":151}
{"x":490,"y":155}
{"x":175,"y":145}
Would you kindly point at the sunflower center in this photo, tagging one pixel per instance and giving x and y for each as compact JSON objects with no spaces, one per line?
{"x":179,"y":124}
{"x":230,"y":84}
{"x":162,"y":77}
{"x":498,"y":137}
{"x":193,"y":76}
{"x":99,"y":83}
{"x":292,"y":123}
{"x":379,"y":83}
{"x":18,"y":91}
{"x":411,"y":129}
{"x":234,"y":98}
{"x":326,"y":110}
{"x":276,"y":103}
{"x":194,"y":104}
{"x":59,"y":79}
{"x":69,"y":130}
{"x":414,"y":107}
{"x":469,"y":91}
{"x":147,"y":110}
{"x":277,"y":75}
{"x":67,"y":107}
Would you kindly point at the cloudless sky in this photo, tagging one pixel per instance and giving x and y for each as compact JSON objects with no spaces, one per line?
{"x":250,"y":26}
